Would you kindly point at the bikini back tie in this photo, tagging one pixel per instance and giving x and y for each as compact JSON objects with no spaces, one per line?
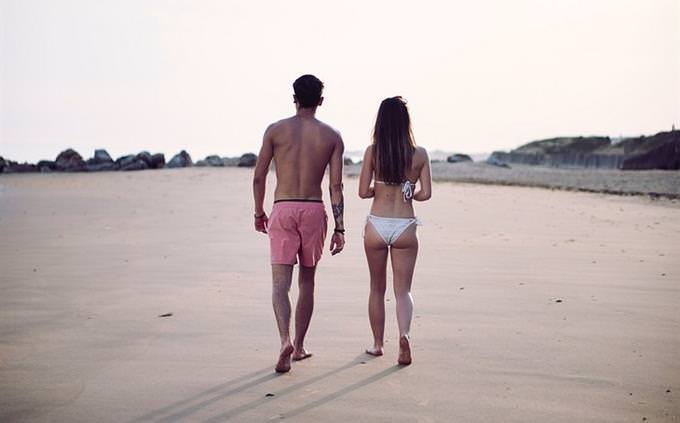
{"x":407,"y":188}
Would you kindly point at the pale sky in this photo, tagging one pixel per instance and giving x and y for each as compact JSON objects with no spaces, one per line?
{"x":208,"y":76}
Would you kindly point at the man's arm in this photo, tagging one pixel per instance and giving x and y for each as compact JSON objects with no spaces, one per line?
{"x":337,"y":199}
{"x":260,"y":179}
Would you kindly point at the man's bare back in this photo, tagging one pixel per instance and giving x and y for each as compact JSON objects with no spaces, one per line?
{"x":302,"y":147}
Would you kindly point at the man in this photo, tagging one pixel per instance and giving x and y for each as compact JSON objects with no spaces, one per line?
{"x":301,"y":147}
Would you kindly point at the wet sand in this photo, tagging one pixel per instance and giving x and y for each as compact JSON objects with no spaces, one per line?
{"x":531,"y":306}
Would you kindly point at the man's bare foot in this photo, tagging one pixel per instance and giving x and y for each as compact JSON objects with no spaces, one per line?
{"x":301,"y":354}
{"x":283,"y":365}
{"x":404,"y":351}
{"x":375,"y":351}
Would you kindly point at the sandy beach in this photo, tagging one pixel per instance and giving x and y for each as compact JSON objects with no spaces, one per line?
{"x":532,"y":305}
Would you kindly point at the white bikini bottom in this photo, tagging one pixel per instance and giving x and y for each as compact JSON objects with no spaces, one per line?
{"x":390,"y":228}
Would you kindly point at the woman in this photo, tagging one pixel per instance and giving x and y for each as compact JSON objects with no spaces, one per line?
{"x":395,"y":165}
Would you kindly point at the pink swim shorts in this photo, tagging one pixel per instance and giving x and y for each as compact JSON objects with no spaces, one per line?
{"x":297,"y":229}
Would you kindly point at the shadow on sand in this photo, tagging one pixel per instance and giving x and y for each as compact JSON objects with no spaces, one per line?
{"x":183,"y":409}
{"x":340,"y":392}
{"x":330,"y":397}
{"x":156,"y":414}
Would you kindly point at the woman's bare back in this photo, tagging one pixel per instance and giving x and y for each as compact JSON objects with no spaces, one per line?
{"x":388,"y":199}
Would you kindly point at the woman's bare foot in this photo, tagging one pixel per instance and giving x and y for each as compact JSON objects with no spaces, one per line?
{"x":283,"y":365}
{"x":301,"y":354}
{"x":404,"y":351}
{"x":375,"y":351}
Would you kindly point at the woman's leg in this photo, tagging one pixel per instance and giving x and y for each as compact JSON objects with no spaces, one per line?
{"x":404,"y":252}
{"x":376,"y":255}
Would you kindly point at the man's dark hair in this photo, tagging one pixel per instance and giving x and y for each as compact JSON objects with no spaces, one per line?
{"x":308,"y":90}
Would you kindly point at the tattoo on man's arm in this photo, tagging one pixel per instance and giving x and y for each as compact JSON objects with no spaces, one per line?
{"x":338,"y":210}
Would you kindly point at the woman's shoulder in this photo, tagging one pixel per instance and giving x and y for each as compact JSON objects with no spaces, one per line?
{"x":368,"y":153}
{"x":420,"y":155}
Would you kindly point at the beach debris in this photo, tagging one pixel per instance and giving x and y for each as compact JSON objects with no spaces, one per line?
{"x":558,"y":300}
{"x":165,"y":315}
{"x":181,"y":159}
{"x":247,"y":160}
{"x":269,"y":394}
{"x":461,"y":288}
{"x":668,"y":391}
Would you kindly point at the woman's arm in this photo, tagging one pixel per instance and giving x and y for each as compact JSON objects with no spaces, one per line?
{"x":425,"y":191}
{"x":365,"y":188}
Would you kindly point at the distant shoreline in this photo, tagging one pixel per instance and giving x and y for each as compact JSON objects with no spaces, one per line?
{"x":650,"y":183}
{"x":654,"y":184}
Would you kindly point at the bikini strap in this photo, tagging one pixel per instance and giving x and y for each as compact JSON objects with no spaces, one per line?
{"x":407,"y":190}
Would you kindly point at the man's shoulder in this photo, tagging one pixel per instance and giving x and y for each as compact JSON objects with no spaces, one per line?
{"x":279,"y":124}
{"x":329,"y":131}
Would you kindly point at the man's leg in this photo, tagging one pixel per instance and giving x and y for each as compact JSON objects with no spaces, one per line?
{"x":282,"y":275}
{"x":303,"y":310}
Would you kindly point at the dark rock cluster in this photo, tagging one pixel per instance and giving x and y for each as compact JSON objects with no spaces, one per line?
{"x":181,"y":159}
{"x":659,"y":151}
{"x":458,"y":158}
{"x":247,"y":160}
{"x":70,"y":161}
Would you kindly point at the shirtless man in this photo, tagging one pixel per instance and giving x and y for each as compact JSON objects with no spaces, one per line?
{"x":301,"y":147}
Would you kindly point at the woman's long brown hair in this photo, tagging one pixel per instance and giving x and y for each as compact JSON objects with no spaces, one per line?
{"x":393,"y":142}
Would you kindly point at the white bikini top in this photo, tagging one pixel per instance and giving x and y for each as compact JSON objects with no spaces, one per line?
{"x":406,"y":188}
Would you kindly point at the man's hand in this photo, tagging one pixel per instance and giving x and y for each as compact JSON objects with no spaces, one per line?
{"x":261,"y":223}
{"x":337,"y":243}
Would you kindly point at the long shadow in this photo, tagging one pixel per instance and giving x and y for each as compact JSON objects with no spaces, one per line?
{"x":337,"y":394}
{"x":169,"y":408}
{"x":181,"y":414}
{"x":283,"y":392}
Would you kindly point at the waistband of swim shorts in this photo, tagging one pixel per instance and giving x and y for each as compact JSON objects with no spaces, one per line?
{"x":302,"y":200}
{"x":298,"y":203}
